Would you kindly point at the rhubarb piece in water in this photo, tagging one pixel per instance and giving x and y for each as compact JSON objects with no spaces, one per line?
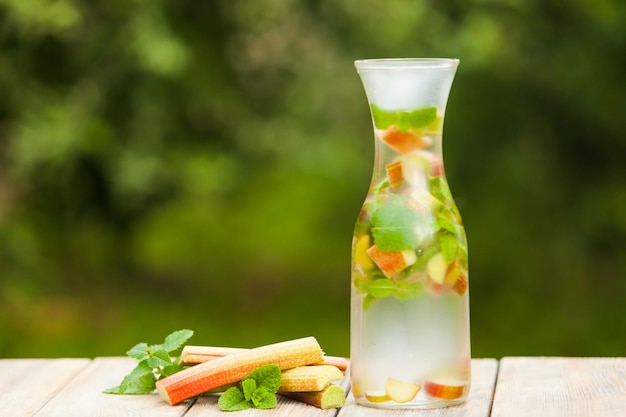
{"x":456,"y":278}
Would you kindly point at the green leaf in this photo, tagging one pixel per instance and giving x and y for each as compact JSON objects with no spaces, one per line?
{"x":233,"y":400}
{"x":248,"y":386}
{"x":382,"y":118}
{"x":407,"y":290}
{"x":445,"y":224}
{"x":395,"y":227}
{"x":267,"y":377}
{"x":449,"y":244}
{"x":140,"y":380}
{"x":176,"y":339}
{"x":440,"y":189}
{"x":421,"y":117}
{"x":404,"y":120}
{"x":139,"y":351}
{"x":171,"y":369}
{"x":159,"y":358}
{"x":379,"y":288}
{"x":153,"y":361}
{"x":263,"y":398}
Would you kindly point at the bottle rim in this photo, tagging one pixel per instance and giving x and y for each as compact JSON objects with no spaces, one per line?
{"x":406,"y":63}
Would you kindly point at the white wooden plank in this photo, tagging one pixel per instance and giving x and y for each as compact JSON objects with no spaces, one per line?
{"x":478,"y":401}
{"x":206,"y":406}
{"x":556,"y":386}
{"x":83,"y":396}
{"x":26,"y":385}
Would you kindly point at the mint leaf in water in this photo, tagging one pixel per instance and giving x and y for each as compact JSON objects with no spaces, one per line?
{"x":382,"y":118}
{"x":403,"y":119}
{"x":420,"y":117}
{"x":258,"y":390}
{"x":395,"y":227}
{"x":154,"y":362}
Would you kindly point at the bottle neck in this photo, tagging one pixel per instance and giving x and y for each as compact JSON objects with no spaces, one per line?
{"x":408,"y":158}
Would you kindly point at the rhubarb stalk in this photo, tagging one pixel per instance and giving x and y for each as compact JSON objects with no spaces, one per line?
{"x":333,"y":396}
{"x":231,"y":368}
{"x":193,"y":355}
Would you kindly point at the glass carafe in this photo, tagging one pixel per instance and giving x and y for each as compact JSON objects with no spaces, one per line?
{"x":409,"y":336}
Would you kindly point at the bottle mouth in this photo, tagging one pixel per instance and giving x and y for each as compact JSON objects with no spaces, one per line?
{"x":406,"y":64}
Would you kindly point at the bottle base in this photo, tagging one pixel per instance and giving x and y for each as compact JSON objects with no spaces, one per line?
{"x":416,"y":405}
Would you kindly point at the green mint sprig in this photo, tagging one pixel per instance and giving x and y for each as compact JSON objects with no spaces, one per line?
{"x":395,"y":227}
{"x":154,"y":362}
{"x":258,"y":390}
{"x":403,"y":119}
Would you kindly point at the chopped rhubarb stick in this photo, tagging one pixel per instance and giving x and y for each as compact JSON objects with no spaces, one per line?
{"x":333,"y":396}
{"x":460,"y":286}
{"x":309,"y":378}
{"x":193,"y":355}
{"x":395,"y":174}
{"x":422,"y":201}
{"x":339,"y":362}
{"x":456,"y":278}
{"x":212,"y":374}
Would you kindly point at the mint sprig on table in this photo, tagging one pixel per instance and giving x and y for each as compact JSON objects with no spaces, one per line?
{"x":154,"y":362}
{"x":258,"y":390}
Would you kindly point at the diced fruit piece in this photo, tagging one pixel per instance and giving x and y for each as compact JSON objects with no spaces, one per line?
{"x":456,"y":278}
{"x":436,"y":268}
{"x":363,"y":261}
{"x":400,"y":391}
{"x":392,"y":262}
{"x":421,"y":201}
{"x":409,"y":169}
{"x":376,"y":396}
{"x":461,"y":284}
{"x":395,"y":174}
{"x":447,"y":390}
{"x":402,"y":142}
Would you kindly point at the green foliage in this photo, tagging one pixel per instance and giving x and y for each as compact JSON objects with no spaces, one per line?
{"x":198,"y":155}
{"x":394,"y":227}
{"x":153,"y":363}
{"x":404,"y":120}
{"x":258,"y":390}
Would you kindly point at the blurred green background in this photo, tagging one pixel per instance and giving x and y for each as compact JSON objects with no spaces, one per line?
{"x":171,"y":164}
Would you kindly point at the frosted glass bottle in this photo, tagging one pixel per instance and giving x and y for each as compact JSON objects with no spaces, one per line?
{"x":409,"y":336}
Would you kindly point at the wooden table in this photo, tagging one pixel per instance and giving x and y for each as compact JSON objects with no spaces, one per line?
{"x":511,"y":387}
